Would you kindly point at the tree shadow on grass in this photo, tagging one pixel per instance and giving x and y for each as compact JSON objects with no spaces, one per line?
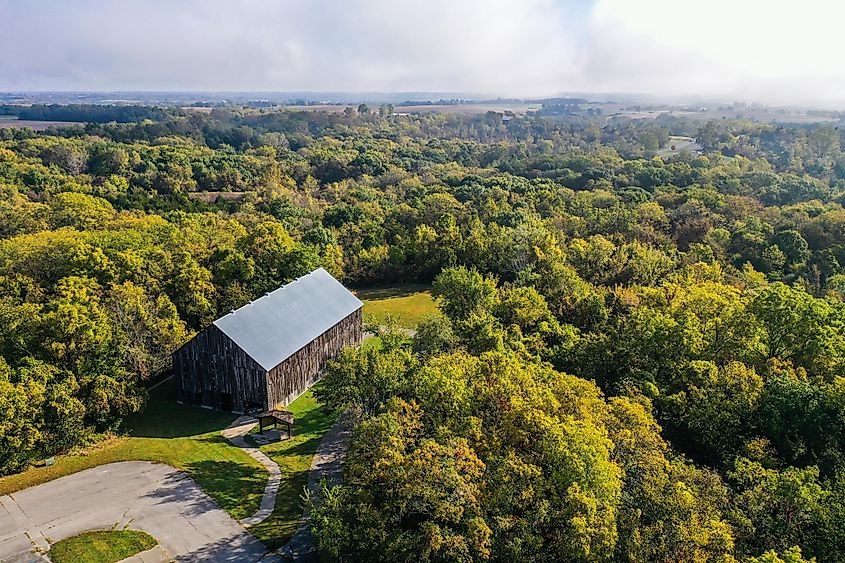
{"x":277,"y":530}
{"x":163,"y":417}
{"x":305,"y":447}
{"x":229,"y":483}
{"x":376,"y":293}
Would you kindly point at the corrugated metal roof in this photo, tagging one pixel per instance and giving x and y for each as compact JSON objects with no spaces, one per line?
{"x":272,"y":328}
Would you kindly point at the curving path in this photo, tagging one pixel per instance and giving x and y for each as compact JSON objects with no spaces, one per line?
{"x":140,"y":495}
{"x":235,"y":433}
{"x":327,"y":465}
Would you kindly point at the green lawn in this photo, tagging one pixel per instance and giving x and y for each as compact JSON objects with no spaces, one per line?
{"x":102,"y":546}
{"x":408,"y":304}
{"x":294,"y":459}
{"x":189,"y":439}
{"x":186,"y":438}
{"x":372,"y":342}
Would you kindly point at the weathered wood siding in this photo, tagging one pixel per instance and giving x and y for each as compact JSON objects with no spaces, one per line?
{"x":296,"y":374}
{"x":212,"y":371}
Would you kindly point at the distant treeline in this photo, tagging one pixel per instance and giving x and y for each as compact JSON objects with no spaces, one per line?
{"x":86,"y":113}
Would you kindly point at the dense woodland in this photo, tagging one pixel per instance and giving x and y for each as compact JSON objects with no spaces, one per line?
{"x":639,"y":359}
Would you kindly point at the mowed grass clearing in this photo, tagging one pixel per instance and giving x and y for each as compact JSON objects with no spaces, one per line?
{"x":294,"y":458}
{"x":101,"y":546}
{"x":184,"y":437}
{"x":407,"y":305}
{"x":189,"y":439}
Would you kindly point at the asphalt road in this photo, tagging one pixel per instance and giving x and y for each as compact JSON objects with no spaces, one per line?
{"x":139,"y":495}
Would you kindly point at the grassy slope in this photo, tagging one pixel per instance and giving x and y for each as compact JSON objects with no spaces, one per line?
{"x":294,"y":459}
{"x":102,"y":546}
{"x":185,"y":437}
{"x":408,"y":305}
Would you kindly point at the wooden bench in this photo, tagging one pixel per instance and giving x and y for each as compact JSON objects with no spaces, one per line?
{"x":274,"y":418}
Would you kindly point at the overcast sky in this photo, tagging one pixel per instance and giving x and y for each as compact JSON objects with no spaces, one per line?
{"x":775,"y":51}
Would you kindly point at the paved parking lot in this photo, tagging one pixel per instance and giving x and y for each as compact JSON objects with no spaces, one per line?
{"x":135,"y":494}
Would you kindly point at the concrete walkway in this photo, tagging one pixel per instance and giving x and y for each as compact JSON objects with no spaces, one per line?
{"x":155,"y":498}
{"x":154,"y":555}
{"x":235,"y":433}
{"x":406,"y":331}
{"x":327,"y":465}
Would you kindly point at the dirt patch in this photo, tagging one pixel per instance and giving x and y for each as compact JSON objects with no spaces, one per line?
{"x":34,"y":125}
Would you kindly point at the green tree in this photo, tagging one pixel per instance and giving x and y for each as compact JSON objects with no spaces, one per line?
{"x":106,"y":160}
{"x":669,"y":510}
{"x":713,"y":417}
{"x":415,"y":500}
{"x":149,"y":329}
{"x":779,"y":508}
{"x":464,"y":292}
{"x":365,"y":379}
{"x":791,"y":555}
{"x":793,"y":245}
{"x":20,"y":417}
{"x":434,"y":336}
{"x":79,"y":210}
{"x":799,"y":328}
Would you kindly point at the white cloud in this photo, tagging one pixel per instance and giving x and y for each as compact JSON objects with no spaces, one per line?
{"x":774,"y":51}
{"x":487,"y":45}
{"x":770,"y":50}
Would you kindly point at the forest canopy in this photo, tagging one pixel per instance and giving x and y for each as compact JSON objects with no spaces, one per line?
{"x":639,"y":357}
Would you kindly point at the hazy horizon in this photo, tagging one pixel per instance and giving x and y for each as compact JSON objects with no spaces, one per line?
{"x":754,"y":51}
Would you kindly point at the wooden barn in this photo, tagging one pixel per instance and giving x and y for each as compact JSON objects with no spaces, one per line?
{"x":270,"y":351}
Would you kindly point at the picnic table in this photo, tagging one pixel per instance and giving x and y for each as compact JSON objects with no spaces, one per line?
{"x":275,"y":417}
